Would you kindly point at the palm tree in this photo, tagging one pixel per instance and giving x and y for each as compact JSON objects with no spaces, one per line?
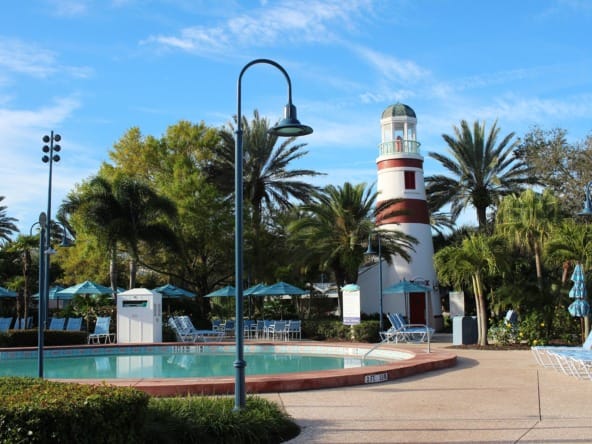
{"x":335,"y":227}
{"x":570,"y":242}
{"x":7,"y":226}
{"x":526,"y":220}
{"x":125,"y":211}
{"x":269,"y":183}
{"x":479,"y":171}
{"x":469,"y":264}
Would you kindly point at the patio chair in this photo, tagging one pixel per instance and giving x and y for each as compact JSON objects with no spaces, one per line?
{"x":101,"y":331}
{"x":557,"y":357}
{"x":74,"y":324}
{"x":294,"y":330}
{"x":186,"y":332}
{"x":5,"y":324}
{"x":57,"y":324}
{"x":278,"y":330}
{"x":403,"y":332}
{"x":23,"y":324}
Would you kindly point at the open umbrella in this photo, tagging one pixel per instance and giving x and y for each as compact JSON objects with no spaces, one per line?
{"x":227,"y":291}
{"x":406,"y":287}
{"x":279,"y":289}
{"x":6,"y":293}
{"x":171,"y":291}
{"x":251,"y":290}
{"x":86,"y":287}
{"x":579,"y":307}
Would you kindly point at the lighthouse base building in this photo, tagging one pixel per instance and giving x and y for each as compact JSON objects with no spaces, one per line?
{"x":400,"y":177}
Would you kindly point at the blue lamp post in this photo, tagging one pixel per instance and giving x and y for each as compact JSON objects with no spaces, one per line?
{"x":370,"y":251}
{"x":289,"y":126}
{"x":41,"y":327}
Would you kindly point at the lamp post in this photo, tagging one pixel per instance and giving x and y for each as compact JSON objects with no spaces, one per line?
{"x":587,"y":211}
{"x":370,"y":251}
{"x":41,"y":327}
{"x":289,"y":126}
{"x":49,"y":149}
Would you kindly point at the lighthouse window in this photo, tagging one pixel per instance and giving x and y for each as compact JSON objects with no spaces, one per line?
{"x":409,"y":180}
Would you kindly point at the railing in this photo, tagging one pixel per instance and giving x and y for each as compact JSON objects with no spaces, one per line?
{"x":399,"y":146}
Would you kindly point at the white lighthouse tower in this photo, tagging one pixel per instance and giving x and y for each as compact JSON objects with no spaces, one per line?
{"x":400,"y":176}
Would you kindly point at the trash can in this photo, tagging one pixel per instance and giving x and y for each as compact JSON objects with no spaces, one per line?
{"x":464,"y":330}
{"x":139,"y":316}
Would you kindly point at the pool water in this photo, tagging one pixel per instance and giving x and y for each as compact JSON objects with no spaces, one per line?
{"x":176,"y":365}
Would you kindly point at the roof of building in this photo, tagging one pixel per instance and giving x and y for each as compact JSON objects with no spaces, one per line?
{"x":398,"y":110}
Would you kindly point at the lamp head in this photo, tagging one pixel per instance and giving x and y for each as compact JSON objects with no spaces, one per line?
{"x":66,"y":242}
{"x":290,"y":126}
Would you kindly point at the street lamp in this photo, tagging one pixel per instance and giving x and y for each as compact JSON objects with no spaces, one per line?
{"x":370,"y":251}
{"x":289,"y":126}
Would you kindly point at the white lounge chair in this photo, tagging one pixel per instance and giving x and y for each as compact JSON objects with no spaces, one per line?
{"x":575,"y":361}
{"x":23,"y":324}
{"x":186,"y":332}
{"x":400,"y":331}
{"x":101,"y":331}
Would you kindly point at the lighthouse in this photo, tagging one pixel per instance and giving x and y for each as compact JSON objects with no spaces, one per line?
{"x":400,"y":176}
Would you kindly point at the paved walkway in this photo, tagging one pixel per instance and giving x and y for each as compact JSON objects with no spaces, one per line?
{"x":489,"y":397}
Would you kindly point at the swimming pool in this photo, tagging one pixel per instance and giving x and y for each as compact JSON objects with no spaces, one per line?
{"x":168,"y":370}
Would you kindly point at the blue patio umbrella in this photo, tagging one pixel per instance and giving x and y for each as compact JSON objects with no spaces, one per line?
{"x":227,"y":291}
{"x":405,"y":287}
{"x":53,"y":294}
{"x":6,"y":293}
{"x":579,"y":307}
{"x":171,"y":291}
{"x":251,"y":290}
{"x":86,"y":287}
{"x":279,"y":289}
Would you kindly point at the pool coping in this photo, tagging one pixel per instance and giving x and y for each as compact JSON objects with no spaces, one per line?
{"x":420,"y":361}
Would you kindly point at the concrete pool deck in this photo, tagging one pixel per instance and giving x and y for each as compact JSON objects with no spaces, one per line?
{"x":488,"y":397}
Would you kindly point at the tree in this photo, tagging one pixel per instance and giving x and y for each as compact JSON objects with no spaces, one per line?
{"x":562,"y":167}
{"x":476,"y":258}
{"x":125,"y":211}
{"x":269,"y":183}
{"x":7,"y":226}
{"x":480,"y":171}
{"x":526,"y":220}
{"x":335,"y":227}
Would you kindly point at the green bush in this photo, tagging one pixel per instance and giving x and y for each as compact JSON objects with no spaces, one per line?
{"x":42,"y":411}
{"x":29,"y":338}
{"x":366,"y":331}
{"x":504,"y":333}
{"x":213,"y":420}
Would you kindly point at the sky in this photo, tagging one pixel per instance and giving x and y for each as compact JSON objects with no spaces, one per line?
{"x":90,"y":70}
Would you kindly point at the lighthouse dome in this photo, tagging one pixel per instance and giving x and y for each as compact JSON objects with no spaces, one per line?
{"x":398,"y":110}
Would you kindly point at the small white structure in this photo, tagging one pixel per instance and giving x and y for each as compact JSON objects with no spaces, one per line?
{"x":139,"y":316}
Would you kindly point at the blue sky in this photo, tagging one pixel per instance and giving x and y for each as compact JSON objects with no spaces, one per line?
{"x":92,"y":69}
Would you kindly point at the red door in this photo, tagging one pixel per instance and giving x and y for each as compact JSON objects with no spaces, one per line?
{"x":417,"y":308}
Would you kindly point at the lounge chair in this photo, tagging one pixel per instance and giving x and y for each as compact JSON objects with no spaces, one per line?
{"x":186,"y":332}
{"x":574,"y":361}
{"x":400,"y":331}
{"x":57,"y":324}
{"x":101,"y":331}
{"x":5,"y":324}
{"x":23,"y":324}
{"x":74,"y":324}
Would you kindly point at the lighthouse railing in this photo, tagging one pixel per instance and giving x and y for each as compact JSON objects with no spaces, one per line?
{"x":399,"y":146}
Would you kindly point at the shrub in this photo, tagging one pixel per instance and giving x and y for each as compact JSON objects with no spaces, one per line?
{"x":29,"y":338}
{"x":504,"y":333}
{"x":207,"y":419}
{"x":366,"y":331}
{"x":42,"y":411}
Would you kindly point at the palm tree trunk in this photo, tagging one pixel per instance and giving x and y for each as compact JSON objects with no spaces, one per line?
{"x":483,"y":311}
{"x":133,"y":270}
{"x":113,"y":271}
{"x":539,"y":267}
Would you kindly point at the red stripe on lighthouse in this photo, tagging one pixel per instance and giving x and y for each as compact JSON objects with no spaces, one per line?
{"x":415,"y":211}
{"x":400,"y":162}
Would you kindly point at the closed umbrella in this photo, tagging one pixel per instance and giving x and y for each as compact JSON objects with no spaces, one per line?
{"x":579,"y":307}
{"x":406,"y":287}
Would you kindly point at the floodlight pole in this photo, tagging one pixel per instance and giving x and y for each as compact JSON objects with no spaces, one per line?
{"x":371,"y":251}
{"x":289,"y":126}
{"x":41,"y":321}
